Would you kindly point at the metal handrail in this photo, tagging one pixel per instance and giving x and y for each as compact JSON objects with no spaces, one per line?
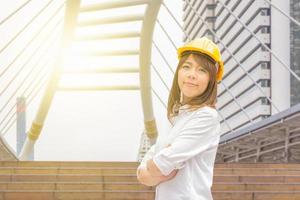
{"x":162,"y":80}
{"x":166,"y":33}
{"x":26,"y":62}
{"x":146,"y":39}
{"x":14,"y":12}
{"x":23,"y":94}
{"x":34,"y":66}
{"x":163,"y":57}
{"x":72,"y":9}
{"x":32,"y":96}
{"x":282,"y":12}
{"x":29,"y":43}
{"x":24,"y":27}
{"x":161,"y":101}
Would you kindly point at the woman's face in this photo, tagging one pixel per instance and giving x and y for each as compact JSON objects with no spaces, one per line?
{"x":192,"y":78}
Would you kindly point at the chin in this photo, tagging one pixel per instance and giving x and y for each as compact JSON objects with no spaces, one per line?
{"x":190,"y":96}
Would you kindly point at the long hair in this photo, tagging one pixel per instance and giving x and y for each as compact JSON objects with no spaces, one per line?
{"x":207,"y":98}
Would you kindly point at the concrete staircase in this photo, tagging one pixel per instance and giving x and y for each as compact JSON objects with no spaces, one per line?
{"x":117,"y":180}
{"x":256,"y":181}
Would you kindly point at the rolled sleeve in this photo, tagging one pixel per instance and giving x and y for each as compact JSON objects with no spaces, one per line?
{"x":149,"y":155}
{"x":196,"y":136}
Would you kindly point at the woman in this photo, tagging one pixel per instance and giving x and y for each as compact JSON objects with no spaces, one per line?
{"x":181,"y":164}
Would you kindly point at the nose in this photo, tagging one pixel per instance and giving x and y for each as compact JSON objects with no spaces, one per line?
{"x":191,"y":74}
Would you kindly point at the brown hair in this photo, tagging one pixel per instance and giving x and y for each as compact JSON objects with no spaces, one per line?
{"x":207,"y":98}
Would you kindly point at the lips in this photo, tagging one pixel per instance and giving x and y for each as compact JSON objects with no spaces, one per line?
{"x":189,"y":84}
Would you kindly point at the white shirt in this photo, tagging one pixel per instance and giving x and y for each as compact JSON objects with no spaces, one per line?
{"x":194,"y":140}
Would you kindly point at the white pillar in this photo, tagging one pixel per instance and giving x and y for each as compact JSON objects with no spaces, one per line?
{"x":280,"y":45}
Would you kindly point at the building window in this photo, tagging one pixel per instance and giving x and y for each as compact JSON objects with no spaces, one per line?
{"x":209,"y":35}
{"x":265,"y":83}
{"x":265,"y":65}
{"x":211,"y":6}
{"x":265,"y":101}
{"x":265,"y":12}
{"x":265,"y":49}
{"x":265,"y":116}
{"x":265,"y":29}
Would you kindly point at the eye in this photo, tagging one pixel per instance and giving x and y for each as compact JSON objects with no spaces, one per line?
{"x":185,"y":66}
{"x":202,"y":69}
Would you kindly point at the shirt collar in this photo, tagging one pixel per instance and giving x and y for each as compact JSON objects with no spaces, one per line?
{"x":183,"y":108}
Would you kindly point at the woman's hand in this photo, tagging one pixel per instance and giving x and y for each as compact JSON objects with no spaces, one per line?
{"x":144,"y":177}
{"x":152,"y":167}
{"x":170,"y":176}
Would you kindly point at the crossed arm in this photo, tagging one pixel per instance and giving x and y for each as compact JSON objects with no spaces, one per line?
{"x":196,"y":136}
{"x":151,"y":174}
{"x":146,"y":177}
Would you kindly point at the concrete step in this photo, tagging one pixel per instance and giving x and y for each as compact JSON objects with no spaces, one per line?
{"x":256,"y":187}
{"x":140,"y":195}
{"x":134,"y":164}
{"x":132,"y":170}
{"x":256,"y":171}
{"x":132,"y":178}
{"x":66,"y":164}
{"x":74,"y":195}
{"x":117,"y":180}
{"x":68,"y":177}
{"x":67,"y":170}
{"x":82,"y":186}
{"x":257,"y":165}
{"x":254,"y":178}
{"x":256,"y":195}
{"x":134,"y":186}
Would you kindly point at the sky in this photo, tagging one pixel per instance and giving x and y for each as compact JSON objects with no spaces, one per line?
{"x":94,"y":125}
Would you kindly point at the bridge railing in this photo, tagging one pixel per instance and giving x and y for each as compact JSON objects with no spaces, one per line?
{"x":27,"y":55}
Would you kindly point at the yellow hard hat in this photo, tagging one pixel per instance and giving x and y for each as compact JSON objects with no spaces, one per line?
{"x":207,"y":47}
